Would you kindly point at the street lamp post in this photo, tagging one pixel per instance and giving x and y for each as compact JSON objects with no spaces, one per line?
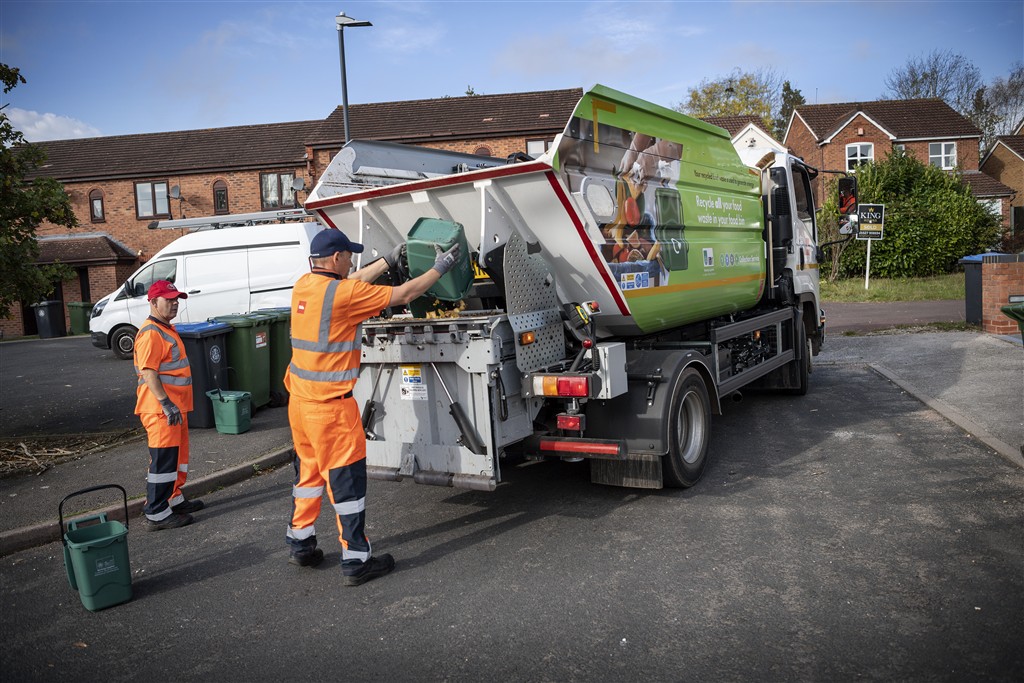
{"x":343,"y":21}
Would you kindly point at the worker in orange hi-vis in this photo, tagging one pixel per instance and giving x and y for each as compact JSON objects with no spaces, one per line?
{"x":329,"y":305}
{"x":164,"y":399}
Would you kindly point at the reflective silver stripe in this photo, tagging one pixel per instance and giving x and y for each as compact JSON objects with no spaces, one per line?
{"x":347,"y":554}
{"x":183,"y":468}
{"x":174,"y":365}
{"x":307,"y":491}
{"x":171,"y":379}
{"x":325,"y":347}
{"x":177,"y":500}
{"x":160,"y":516}
{"x":350,"y":507}
{"x":154,"y":478}
{"x":326,"y":309}
{"x":314,"y":376}
{"x":301,"y":534}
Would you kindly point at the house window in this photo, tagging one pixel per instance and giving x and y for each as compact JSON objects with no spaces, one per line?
{"x":96,"y":206}
{"x":995,"y":207}
{"x":900,"y":149}
{"x":151,"y":200}
{"x":220,"y":197}
{"x":859,"y":153}
{"x":276,"y":191}
{"x":942,"y":154}
{"x":537,"y":147}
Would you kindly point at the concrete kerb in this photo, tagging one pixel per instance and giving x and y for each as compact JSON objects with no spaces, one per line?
{"x":17,"y":540}
{"x":947,"y":411}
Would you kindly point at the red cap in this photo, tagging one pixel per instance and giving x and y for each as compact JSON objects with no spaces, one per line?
{"x":165,"y":289}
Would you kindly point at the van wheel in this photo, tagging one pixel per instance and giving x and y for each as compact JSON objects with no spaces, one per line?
{"x":122,"y":342}
{"x":689,"y":432}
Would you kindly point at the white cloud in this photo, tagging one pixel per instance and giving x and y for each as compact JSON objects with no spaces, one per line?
{"x":36,"y":127}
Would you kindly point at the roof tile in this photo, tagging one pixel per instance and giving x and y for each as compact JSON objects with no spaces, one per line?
{"x":905,"y":119}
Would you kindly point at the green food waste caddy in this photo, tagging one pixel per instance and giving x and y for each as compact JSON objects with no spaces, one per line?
{"x":232,"y":410}
{"x":96,"y":555}
{"x":427,"y":232}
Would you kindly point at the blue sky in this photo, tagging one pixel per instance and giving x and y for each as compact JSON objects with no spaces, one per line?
{"x":114,"y":68}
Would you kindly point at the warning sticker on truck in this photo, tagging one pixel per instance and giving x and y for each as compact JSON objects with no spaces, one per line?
{"x":413,"y":388}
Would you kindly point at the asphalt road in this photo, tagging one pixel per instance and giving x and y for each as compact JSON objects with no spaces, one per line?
{"x":64,"y":386}
{"x":852,"y":534}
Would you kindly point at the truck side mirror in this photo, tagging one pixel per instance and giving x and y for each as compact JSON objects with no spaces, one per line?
{"x":847,"y":196}
{"x":782,"y":217}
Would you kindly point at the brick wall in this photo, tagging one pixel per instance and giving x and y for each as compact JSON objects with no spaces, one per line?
{"x":1001,"y":278}
{"x":1007,"y":168}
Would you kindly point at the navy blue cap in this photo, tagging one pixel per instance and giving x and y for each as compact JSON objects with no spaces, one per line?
{"x":330,"y":241}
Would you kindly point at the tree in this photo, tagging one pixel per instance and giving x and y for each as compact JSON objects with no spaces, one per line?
{"x":791,"y":99}
{"x":943,"y":74}
{"x":1006,"y":100}
{"x":24,"y":205}
{"x":742,"y":93}
{"x":931,"y":220}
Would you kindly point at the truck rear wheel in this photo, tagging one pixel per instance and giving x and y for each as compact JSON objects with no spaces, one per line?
{"x":122,"y":342}
{"x":689,"y":431}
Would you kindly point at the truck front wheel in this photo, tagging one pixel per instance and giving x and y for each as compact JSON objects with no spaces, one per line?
{"x":122,"y":342}
{"x":690,"y":429}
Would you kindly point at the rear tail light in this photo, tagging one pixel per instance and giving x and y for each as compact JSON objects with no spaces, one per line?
{"x":559,"y":385}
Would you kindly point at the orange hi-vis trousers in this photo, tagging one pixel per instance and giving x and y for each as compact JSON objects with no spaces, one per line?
{"x":330,"y":446}
{"x":168,"y":463}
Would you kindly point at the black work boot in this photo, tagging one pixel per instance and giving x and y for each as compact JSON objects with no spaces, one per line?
{"x":194,"y":505}
{"x":172,"y":521}
{"x":371,"y":569}
{"x":306,"y":558}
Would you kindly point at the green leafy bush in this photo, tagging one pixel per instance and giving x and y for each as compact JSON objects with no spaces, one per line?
{"x":931,"y":220}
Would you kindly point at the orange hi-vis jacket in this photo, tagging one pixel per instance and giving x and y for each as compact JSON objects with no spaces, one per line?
{"x":158,"y":347}
{"x":327,"y":317}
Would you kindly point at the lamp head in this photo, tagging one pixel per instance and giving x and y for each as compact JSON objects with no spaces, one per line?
{"x":342,"y":21}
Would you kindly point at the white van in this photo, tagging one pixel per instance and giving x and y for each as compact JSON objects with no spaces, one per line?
{"x":225,"y":271}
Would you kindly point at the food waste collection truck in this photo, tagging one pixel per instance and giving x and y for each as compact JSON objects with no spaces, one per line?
{"x":618,"y":291}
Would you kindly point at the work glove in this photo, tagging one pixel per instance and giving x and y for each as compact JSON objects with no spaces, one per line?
{"x":394,"y":257}
{"x":446,"y":259}
{"x":171,"y":411}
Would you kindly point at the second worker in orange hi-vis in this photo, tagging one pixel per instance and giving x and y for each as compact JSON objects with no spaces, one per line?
{"x":164,"y":399}
{"x":328,"y":306}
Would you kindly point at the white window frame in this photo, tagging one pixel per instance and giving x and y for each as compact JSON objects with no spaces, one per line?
{"x":852,"y":162}
{"x":942,"y":154}
{"x":545,"y":143}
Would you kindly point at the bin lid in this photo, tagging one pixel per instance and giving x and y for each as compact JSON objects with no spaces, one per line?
{"x":976,"y":258}
{"x":260,"y":318}
{"x":278,"y":314}
{"x":46,"y":303}
{"x":236,"y":320}
{"x":198,"y":330}
{"x":79,"y":304}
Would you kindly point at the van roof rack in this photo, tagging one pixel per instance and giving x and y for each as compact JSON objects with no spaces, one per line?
{"x":233,"y":221}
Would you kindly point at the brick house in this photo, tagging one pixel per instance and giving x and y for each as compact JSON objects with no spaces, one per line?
{"x":1005,"y":163}
{"x":120,"y":184}
{"x":841,"y":136}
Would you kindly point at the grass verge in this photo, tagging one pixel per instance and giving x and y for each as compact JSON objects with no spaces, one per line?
{"x":937,"y":288}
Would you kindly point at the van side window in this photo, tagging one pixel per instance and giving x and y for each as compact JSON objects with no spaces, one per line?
{"x":160,"y":270}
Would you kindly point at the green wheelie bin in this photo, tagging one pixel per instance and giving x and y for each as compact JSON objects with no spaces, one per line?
{"x":79,"y":312}
{"x":280,"y":352}
{"x":249,"y":355}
